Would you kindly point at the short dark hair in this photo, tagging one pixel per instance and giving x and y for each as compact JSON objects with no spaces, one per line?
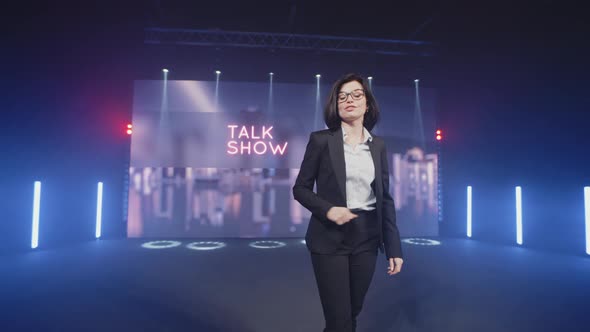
{"x":331,"y":116}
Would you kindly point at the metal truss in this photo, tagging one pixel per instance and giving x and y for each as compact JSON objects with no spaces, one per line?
{"x":218,"y":38}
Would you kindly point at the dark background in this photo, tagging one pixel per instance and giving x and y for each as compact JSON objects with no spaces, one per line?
{"x":511,"y":81}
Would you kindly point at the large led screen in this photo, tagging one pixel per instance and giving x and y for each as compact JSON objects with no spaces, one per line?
{"x":219,"y":159}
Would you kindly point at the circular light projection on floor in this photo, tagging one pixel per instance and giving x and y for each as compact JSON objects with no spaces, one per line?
{"x":421,"y":242}
{"x":161,"y":244}
{"x":267,"y":244}
{"x":205,"y":245}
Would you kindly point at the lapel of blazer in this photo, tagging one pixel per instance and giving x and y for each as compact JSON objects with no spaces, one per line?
{"x":336,"y":147}
{"x":377,"y":162}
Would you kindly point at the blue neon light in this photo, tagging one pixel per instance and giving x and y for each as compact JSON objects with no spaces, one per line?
{"x":99,"y":210}
{"x":519,"y":215}
{"x":469,"y":211}
{"x":36,"y":208}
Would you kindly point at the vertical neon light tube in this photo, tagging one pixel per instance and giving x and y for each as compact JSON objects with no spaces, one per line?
{"x":519,"y":215}
{"x":99,"y":210}
{"x":469,"y":211}
{"x":36,"y":207}
{"x":587,"y":210}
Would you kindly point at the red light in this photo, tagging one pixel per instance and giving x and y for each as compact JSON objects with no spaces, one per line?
{"x":438,"y":132}
{"x":438,"y":137}
{"x":129,"y":126}
{"x":129,"y":131}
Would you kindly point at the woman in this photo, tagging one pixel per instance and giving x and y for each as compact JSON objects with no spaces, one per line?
{"x":353,"y":213}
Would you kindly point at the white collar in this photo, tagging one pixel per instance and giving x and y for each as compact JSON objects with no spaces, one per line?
{"x":366,"y":133}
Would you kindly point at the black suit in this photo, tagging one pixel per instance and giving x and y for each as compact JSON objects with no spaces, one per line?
{"x":324,"y":163}
{"x":344,"y":256}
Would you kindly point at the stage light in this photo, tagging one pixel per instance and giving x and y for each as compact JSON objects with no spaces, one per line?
{"x":416,"y":80}
{"x":205,"y":245}
{"x":129,"y":129}
{"x":270,"y":93}
{"x":318,"y":76}
{"x":303,"y":242}
{"x":518,"y":192}
{"x":165,"y":70}
{"x":370,"y":78}
{"x":438,"y":132}
{"x":161,"y":244}
{"x":421,"y":242}
{"x":36,"y":208}
{"x":587,"y":210}
{"x":99,"y":210}
{"x":438,"y":137}
{"x":267,"y":244}
{"x":469,"y":211}
{"x":216,"y":97}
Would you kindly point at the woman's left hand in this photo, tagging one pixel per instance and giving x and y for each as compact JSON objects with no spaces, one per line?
{"x":395,"y":266}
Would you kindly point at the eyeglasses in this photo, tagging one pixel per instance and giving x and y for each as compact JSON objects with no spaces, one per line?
{"x":355,"y":94}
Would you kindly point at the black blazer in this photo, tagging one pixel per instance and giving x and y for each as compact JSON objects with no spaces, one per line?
{"x":323,"y":164}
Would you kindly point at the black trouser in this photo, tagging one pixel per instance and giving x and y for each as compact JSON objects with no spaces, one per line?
{"x":343,"y":280}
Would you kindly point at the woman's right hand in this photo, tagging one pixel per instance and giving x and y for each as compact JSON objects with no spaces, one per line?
{"x":340,"y":215}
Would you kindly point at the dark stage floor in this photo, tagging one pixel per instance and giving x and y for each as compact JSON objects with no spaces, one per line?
{"x":117,"y":285}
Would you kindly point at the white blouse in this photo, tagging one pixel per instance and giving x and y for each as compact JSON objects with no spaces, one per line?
{"x":360,"y":173}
